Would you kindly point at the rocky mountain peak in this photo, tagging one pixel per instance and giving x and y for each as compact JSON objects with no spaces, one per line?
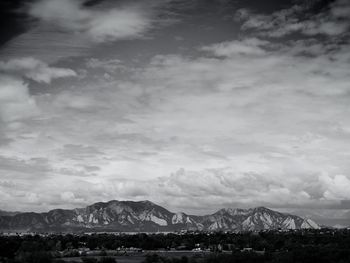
{"x":147,"y":216}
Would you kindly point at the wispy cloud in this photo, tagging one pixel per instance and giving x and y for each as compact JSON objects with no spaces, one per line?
{"x":298,"y":19}
{"x":35,"y":69}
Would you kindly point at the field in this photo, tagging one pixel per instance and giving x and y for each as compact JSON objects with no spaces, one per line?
{"x":139,"y":257}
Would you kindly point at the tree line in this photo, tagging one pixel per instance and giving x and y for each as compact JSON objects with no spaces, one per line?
{"x":325,"y":245}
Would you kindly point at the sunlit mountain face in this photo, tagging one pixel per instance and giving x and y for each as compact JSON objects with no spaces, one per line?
{"x":145,"y":216}
{"x":194,"y":104}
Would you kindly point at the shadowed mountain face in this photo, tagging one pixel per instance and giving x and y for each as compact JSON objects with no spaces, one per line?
{"x":6,"y":213}
{"x":128,"y":216}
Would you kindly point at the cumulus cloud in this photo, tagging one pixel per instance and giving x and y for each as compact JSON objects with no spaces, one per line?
{"x":267,"y":127}
{"x":16,"y":103}
{"x":251,"y":46}
{"x":205,"y":191}
{"x":252,"y":120}
{"x":15,"y":100}
{"x":247,"y":189}
{"x":35,"y":69}
{"x":101,"y":24}
{"x":72,"y":28}
{"x":337,"y":186}
{"x":118,"y":24}
{"x":70,"y":198}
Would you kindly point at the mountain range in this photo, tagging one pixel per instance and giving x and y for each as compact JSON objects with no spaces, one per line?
{"x":336,"y":218}
{"x":145,"y":216}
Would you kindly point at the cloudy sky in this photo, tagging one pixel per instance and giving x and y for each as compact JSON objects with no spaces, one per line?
{"x":192,"y":104}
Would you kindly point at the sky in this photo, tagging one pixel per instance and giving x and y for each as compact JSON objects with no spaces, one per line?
{"x":194,"y":105}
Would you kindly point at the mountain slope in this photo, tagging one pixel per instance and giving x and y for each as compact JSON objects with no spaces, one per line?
{"x":6,"y":213}
{"x":147,"y":216}
{"x":259,"y":218}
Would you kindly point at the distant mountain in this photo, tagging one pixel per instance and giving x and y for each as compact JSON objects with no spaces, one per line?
{"x":337,"y":218}
{"x":259,"y":218}
{"x":7,"y":213}
{"x":145,"y":216}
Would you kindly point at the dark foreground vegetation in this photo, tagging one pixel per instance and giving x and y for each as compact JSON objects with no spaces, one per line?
{"x":321,"y":246}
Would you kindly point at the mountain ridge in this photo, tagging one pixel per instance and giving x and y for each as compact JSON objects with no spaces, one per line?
{"x":146,"y":216}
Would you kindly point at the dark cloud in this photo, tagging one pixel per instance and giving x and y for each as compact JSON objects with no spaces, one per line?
{"x":80,"y":151}
{"x":12,"y":22}
{"x":30,"y":167}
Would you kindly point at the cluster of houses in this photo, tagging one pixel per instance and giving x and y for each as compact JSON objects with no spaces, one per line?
{"x":126,"y":251}
{"x":85,"y":251}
